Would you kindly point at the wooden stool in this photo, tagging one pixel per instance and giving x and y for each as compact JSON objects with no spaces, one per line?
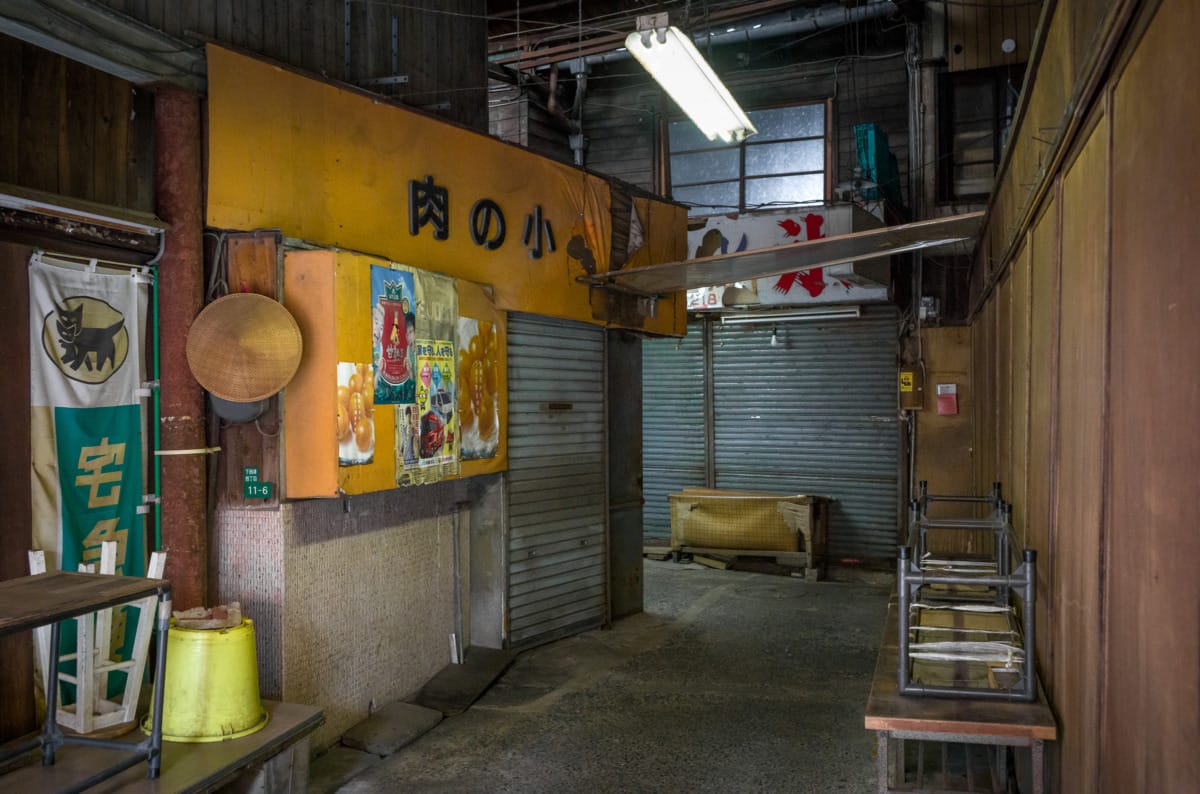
{"x":93,"y":710}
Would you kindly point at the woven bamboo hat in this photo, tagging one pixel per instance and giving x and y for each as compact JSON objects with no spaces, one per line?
{"x":244,"y":347}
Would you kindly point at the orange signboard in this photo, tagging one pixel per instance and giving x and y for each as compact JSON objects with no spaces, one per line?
{"x":335,"y":166}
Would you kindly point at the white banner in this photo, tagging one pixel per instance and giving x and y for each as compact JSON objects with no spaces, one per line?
{"x":87,"y":363}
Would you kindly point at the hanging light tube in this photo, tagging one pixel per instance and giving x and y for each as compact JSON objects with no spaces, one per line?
{"x":671,"y":59}
{"x":793,"y":315}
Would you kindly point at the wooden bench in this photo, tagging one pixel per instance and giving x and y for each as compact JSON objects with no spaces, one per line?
{"x":272,"y":761}
{"x":897,"y":717}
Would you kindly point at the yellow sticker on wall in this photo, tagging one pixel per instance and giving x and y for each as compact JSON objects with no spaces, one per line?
{"x":906,"y":381}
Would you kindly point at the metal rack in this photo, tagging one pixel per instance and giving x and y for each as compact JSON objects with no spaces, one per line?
{"x":989,"y":653}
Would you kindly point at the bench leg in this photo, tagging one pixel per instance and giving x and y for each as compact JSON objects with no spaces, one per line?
{"x":1039,"y":767}
{"x":882,"y":767}
{"x":50,"y":733}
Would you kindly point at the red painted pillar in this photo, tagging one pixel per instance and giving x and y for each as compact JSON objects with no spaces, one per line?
{"x":181,"y":294}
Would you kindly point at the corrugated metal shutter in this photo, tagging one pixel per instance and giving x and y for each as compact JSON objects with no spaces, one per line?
{"x":815,"y":413}
{"x":672,"y":424}
{"x":557,"y":568}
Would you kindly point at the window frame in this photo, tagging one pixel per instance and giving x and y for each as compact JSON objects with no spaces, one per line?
{"x":998,"y":79}
{"x":742,"y":178}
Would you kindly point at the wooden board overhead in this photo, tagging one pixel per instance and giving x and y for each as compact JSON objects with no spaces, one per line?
{"x":764,"y":262}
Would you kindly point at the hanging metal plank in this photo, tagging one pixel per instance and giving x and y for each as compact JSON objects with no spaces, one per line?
{"x":557,"y":544}
{"x":822,"y":252}
{"x":672,"y":424}
{"x":814,"y":413}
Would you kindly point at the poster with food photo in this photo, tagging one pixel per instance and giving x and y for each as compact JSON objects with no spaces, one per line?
{"x":355,"y":413}
{"x":478,"y":401}
{"x":393,"y":326}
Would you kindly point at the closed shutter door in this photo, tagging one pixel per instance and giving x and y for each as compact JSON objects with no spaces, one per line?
{"x":557,"y":565}
{"x":815,"y":413}
{"x":672,"y":424}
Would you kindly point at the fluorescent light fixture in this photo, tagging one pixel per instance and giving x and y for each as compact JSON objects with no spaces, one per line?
{"x":671,"y":59}
{"x":78,"y":214}
{"x":793,"y":315}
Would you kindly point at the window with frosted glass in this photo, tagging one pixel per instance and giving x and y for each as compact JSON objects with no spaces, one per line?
{"x":783,"y":165}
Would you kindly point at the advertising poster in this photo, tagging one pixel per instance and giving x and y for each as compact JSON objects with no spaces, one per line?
{"x":86,"y":333}
{"x":478,"y":398}
{"x":355,"y":413}
{"x":393,"y":327}
{"x":438,"y":439}
{"x":427,"y":438}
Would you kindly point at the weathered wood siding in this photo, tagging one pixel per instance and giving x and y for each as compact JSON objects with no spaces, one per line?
{"x":441,"y":45}
{"x":69,"y":129}
{"x":1086,"y":268}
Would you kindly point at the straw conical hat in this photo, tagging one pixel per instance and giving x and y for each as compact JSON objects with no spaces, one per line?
{"x":244,"y":347}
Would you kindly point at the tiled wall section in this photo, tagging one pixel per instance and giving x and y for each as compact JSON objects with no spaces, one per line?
{"x":248,"y":556}
{"x":370,"y":606}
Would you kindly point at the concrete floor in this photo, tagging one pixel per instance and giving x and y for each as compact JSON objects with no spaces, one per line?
{"x":730,"y":681}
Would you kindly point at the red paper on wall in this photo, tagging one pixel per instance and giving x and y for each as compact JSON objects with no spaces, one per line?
{"x":947,"y":399}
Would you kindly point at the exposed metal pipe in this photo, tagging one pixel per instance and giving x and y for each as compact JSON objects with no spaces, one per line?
{"x":177,"y":135}
{"x":785,"y":23}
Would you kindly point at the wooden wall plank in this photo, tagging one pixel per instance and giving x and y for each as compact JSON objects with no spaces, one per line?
{"x":1151,"y":707}
{"x":107,"y":161}
{"x":38,"y":132}
{"x":252,"y":268}
{"x":11,"y":80}
{"x":1020,"y":391}
{"x":1043,"y":367}
{"x":137,"y":105}
{"x":16,"y":536}
{"x":976,"y":31}
{"x":944,"y":448}
{"x":77,"y":149}
{"x":1004,"y":367}
{"x":223,"y":20}
{"x":1078,"y":534}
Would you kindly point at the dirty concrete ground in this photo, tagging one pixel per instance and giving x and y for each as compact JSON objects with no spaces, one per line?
{"x":729,"y":681}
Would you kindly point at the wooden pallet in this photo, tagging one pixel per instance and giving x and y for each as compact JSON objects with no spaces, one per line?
{"x":794,"y":559}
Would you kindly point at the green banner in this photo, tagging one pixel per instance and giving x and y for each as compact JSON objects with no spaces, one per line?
{"x":100,"y":482}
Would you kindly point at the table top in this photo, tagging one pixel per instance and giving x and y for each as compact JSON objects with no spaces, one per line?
{"x":32,"y":601}
{"x":888,"y":710}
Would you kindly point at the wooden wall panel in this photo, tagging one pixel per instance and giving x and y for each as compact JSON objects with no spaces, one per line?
{"x":1078,"y":534}
{"x":311,"y":34}
{"x":975,"y":32}
{"x":944,"y":454}
{"x":1004,"y":371}
{"x":980,"y":417}
{"x":16,"y":533}
{"x":252,"y":261}
{"x":1151,"y":707}
{"x":73,"y":130}
{"x":986,"y":399}
{"x":1020,"y":390}
{"x":1043,"y":367}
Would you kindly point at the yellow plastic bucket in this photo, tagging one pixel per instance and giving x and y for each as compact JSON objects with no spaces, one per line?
{"x":211,"y":690}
